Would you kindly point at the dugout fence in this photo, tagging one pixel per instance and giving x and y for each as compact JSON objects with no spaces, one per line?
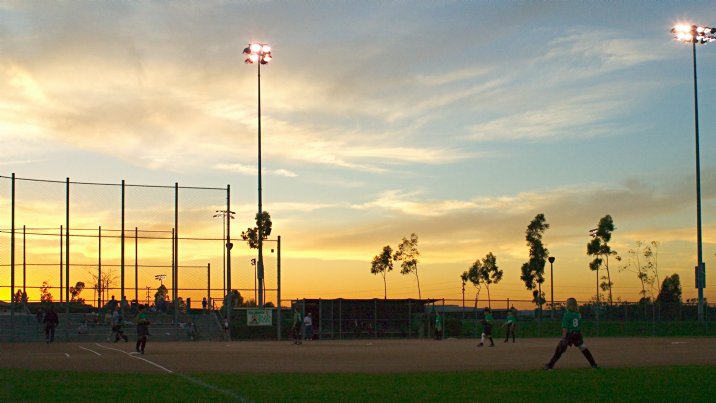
{"x":82,"y":243}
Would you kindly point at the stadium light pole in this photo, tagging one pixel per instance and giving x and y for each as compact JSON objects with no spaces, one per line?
{"x":259,"y":53}
{"x":224,"y":214}
{"x":551,"y":284}
{"x":695,"y":34}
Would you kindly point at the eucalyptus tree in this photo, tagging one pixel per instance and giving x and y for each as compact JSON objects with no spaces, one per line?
{"x":407,"y":254}
{"x":472,"y":275}
{"x":383,"y":263}
{"x":600,"y":249}
{"x":251,"y":235}
{"x":489,"y":273}
{"x":533,"y":269}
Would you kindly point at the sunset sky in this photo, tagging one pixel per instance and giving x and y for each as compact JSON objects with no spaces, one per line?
{"x":455,"y":120}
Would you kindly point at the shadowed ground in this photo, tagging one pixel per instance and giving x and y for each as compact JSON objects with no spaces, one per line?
{"x":352,"y":356}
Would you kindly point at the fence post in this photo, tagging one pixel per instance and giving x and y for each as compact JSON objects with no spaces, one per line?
{"x":136,"y":265}
{"x":278,"y":288}
{"x":67,"y":261}
{"x":62,"y":234}
{"x":176,"y":252}
{"x":99,"y":269}
{"x":12,"y":259}
{"x":443,"y":322}
{"x":410,"y":319}
{"x":596,"y":312}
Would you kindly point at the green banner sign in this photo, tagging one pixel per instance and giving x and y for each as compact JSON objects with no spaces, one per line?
{"x":258,"y":317}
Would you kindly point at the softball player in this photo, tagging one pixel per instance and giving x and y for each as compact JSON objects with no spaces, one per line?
{"x":487,"y":328}
{"x":571,"y":335}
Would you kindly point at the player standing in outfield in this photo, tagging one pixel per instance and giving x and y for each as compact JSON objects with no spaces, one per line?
{"x":142,"y":331}
{"x":571,"y":335}
{"x":510,"y":323}
{"x":487,"y":328}
{"x":296,"y":329}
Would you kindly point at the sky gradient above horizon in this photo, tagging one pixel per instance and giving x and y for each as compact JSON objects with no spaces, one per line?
{"x":458,"y":121}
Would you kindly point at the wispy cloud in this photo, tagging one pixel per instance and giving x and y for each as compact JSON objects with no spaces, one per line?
{"x":253,"y":170}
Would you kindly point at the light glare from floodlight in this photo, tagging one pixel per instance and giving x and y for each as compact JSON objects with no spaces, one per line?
{"x":693,"y":33}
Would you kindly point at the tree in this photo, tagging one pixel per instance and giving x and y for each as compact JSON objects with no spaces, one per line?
{"x":105,"y":283}
{"x":472,"y":275}
{"x":533,"y":269}
{"x":382,"y":264}
{"x":670,"y":290}
{"x":489,"y":273}
{"x":407,"y":254}
{"x":75,"y":292}
{"x":161,"y":296}
{"x":45,"y":294}
{"x":237,"y":299}
{"x":600,"y":249}
{"x":643,"y":261}
{"x":251,"y":235}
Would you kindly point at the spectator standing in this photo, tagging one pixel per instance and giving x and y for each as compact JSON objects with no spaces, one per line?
{"x":51,"y":321}
{"x":308,"y":327}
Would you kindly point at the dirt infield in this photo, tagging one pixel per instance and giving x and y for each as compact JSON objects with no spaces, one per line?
{"x":352,"y":356}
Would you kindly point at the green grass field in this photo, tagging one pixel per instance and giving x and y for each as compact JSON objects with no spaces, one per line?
{"x":681,"y":384}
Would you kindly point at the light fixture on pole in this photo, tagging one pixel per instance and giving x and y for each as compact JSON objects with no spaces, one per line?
{"x":259,"y":53}
{"x":161,"y":278}
{"x":695,"y":34}
{"x":225,"y":242}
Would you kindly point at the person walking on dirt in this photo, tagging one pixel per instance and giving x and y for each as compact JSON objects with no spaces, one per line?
{"x":51,"y":321}
{"x":142,"y":331}
{"x":487,"y":328}
{"x":117,"y":326}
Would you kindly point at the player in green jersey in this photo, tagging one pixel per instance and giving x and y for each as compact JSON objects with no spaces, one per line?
{"x":296,"y":328}
{"x":571,"y":335}
{"x":510,"y":324}
{"x":487,"y":328}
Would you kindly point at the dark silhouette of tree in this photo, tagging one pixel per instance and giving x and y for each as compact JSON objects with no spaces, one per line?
{"x":489,"y":273}
{"x":161,"y":295}
{"x":75,"y":292}
{"x":407,"y":254}
{"x":105,"y":283}
{"x":670,"y":290}
{"x":533,"y":269}
{"x":643,"y":261}
{"x":472,"y":275}
{"x":45,"y":294}
{"x":251,"y":235}
{"x":600,"y":249}
{"x":382,"y":264}
{"x":237,"y":299}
